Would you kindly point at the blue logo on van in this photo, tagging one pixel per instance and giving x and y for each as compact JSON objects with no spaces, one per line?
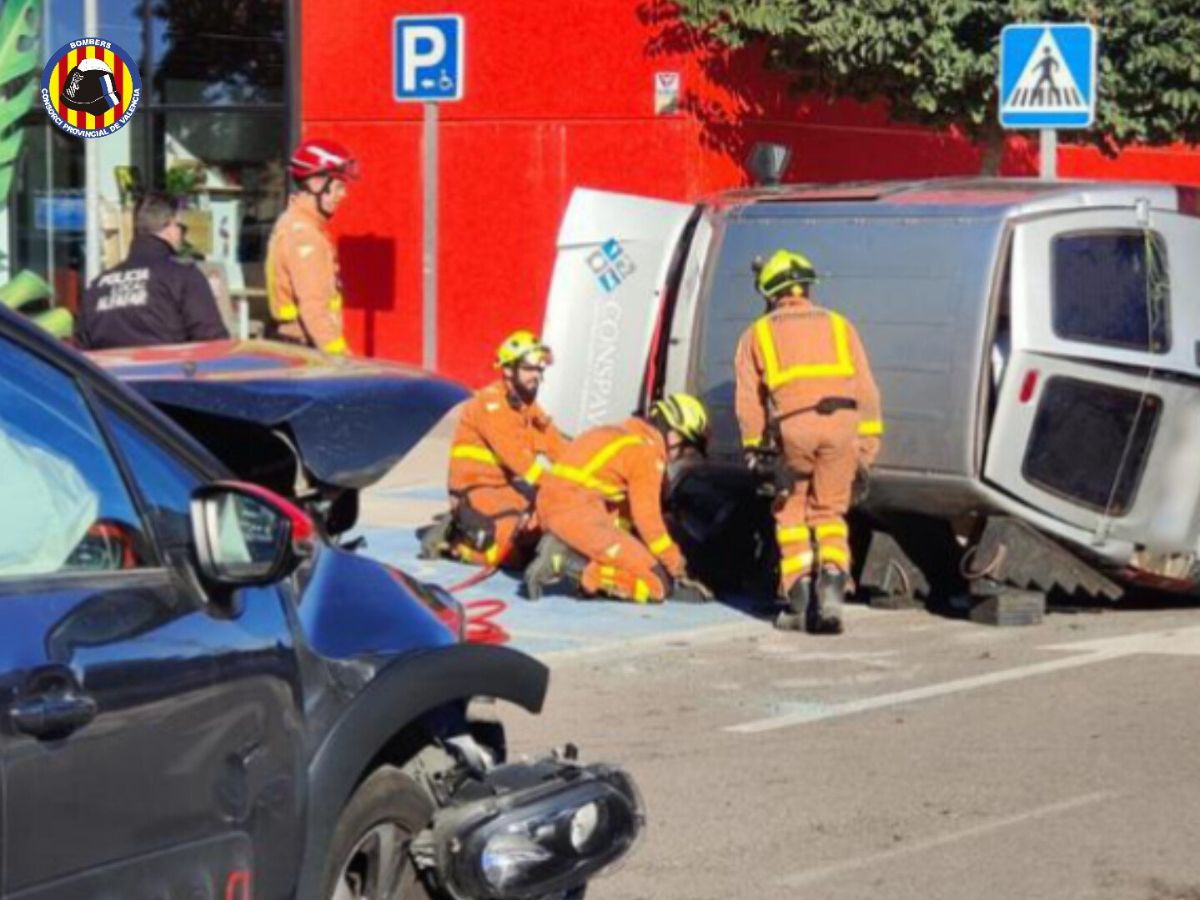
{"x":611,"y":265}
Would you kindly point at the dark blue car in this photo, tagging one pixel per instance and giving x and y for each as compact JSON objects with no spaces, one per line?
{"x":203,"y":697}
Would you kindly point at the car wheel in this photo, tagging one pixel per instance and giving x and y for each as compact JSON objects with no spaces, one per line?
{"x":368,"y":856}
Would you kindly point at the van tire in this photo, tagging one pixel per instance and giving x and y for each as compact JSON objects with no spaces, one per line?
{"x":376,"y":825}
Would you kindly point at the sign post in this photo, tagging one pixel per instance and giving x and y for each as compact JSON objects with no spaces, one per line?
{"x":428,"y":54}
{"x":1048,"y":81}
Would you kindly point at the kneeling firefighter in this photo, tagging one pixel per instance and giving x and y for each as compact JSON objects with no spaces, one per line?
{"x":611,"y":474}
{"x":811,"y":422}
{"x":495,"y":461}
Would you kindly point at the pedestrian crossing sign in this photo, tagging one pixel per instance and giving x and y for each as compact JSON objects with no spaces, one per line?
{"x":1048,"y":76}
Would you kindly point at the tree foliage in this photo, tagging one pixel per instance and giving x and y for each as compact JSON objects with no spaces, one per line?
{"x":936,"y":61}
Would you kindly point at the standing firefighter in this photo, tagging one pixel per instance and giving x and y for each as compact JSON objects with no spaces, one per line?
{"x":808,"y":407}
{"x":610,"y":474}
{"x":494,"y":460}
{"x":304,"y":289}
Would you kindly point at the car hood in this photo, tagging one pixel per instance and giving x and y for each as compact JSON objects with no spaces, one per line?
{"x":350,"y":419}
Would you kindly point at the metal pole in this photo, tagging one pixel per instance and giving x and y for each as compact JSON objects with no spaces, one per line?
{"x":91,"y":169}
{"x":1048,"y":146}
{"x":429,"y":230}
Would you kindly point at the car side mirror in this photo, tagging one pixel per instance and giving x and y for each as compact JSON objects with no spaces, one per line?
{"x":245,"y":534}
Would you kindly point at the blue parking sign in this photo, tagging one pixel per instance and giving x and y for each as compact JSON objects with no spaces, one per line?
{"x":1048,"y":76}
{"x":427,"y":54}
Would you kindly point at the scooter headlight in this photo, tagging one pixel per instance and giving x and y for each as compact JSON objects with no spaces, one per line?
{"x":540,"y":841}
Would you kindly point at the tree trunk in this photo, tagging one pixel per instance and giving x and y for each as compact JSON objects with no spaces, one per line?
{"x":993,"y":149}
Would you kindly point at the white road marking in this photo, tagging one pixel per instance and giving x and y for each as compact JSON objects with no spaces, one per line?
{"x":809,"y":876}
{"x":1175,"y":642}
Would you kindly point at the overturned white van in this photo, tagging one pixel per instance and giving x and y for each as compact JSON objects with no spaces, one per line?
{"x":1037,"y":344}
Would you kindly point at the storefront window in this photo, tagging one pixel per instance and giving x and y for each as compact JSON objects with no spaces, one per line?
{"x":219,"y":52}
{"x":211,"y":130}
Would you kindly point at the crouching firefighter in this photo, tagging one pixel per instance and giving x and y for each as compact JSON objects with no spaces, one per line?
{"x":608,"y":475}
{"x":496,"y":462}
{"x":810,"y":418}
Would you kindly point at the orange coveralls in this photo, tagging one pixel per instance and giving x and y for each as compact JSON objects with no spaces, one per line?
{"x":790,"y":359}
{"x":605,"y":474}
{"x":497,"y":442}
{"x":303,"y":288}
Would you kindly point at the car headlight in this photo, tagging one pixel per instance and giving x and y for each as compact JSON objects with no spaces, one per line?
{"x":541,"y":840}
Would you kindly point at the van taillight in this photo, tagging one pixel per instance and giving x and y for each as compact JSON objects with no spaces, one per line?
{"x":1029,"y":386}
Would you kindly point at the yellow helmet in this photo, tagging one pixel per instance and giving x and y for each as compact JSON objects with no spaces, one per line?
{"x":683,"y":414}
{"x":784,"y":270}
{"x":521,"y":345}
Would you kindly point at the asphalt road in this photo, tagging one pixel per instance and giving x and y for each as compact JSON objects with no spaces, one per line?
{"x":913,"y":757}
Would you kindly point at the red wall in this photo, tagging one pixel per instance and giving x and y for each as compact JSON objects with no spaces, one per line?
{"x":558,"y":95}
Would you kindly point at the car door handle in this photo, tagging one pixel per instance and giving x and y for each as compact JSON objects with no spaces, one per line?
{"x":53,"y":715}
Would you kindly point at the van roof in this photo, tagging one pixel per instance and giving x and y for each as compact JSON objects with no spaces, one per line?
{"x":976,"y":196}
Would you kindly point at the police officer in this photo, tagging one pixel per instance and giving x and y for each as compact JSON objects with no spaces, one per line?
{"x":153,"y":297}
{"x":804,"y":383}
{"x":304,"y":287}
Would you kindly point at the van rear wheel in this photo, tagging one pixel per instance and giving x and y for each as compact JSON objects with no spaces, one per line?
{"x":368,"y":856}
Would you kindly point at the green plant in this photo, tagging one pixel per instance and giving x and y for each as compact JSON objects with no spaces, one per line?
{"x":935,"y":61}
{"x":20,"y":25}
{"x":183,"y":178}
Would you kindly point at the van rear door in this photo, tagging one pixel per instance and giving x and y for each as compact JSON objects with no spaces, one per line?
{"x":1085,"y":421}
{"x":614,"y":256}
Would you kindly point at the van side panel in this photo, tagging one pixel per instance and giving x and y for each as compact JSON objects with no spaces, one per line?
{"x":918,"y":290}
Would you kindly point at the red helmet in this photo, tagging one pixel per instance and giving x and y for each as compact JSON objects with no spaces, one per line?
{"x":318,"y":156}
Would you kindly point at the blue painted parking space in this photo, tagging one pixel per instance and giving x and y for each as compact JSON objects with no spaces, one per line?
{"x":560,"y":621}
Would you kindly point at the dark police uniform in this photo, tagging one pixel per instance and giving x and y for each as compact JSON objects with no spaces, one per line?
{"x":150,"y":298}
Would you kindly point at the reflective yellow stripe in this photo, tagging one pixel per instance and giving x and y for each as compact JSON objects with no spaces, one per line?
{"x":842,"y":368}
{"x":492,"y":554}
{"x":662,"y":545}
{"x":587,"y":475}
{"x":475,"y":452}
{"x":834,"y":529}
{"x":288,"y":312}
{"x":337,"y":345}
{"x":534,"y":472}
{"x":608,"y":572}
{"x":801,"y":562}
{"x":835,"y":555}
{"x":792,"y":535}
{"x":336,"y":303}
{"x":870,"y":427}
{"x":641,"y":591}
{"x":752,"y":441}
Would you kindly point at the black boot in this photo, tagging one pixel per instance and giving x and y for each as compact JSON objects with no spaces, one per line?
{"x":554,"y":561}
{"x":799,"y":598}
{"x":826,"y":616}
{"x":435,"y":538}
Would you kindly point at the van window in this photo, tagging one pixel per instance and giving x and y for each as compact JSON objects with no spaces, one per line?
{"x":1090,"y":442}
{"x":1111,"y":287}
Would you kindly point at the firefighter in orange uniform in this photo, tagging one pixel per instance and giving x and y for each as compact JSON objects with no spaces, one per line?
{"x":606,"y":475}
{"x":304,"y":289}
{"x":496,"y":461}
{"x":804,"y":383}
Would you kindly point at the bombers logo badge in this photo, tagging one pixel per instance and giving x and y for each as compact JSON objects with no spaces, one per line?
{"x":90,"y":88}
